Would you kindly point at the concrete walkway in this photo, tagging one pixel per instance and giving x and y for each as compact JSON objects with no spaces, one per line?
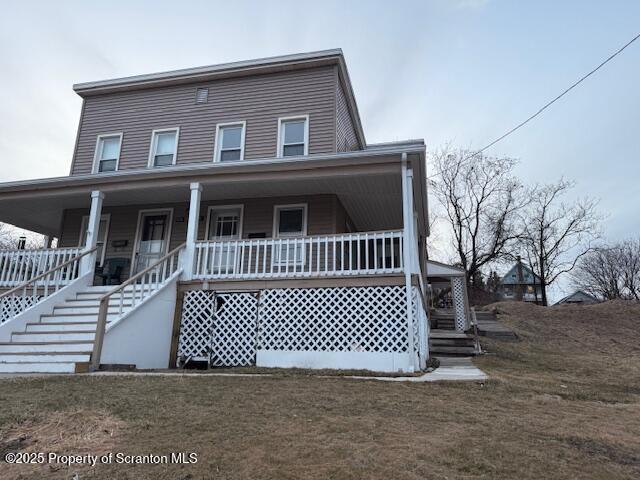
{"x":451,"y":369}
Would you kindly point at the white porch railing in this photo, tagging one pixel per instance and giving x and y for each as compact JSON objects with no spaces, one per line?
{"x":37,"y":288}
{"x":20,"y":266}
{"x":362,"y":253}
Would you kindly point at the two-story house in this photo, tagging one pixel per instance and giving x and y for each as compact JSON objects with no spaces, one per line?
{"x":232,"y":214}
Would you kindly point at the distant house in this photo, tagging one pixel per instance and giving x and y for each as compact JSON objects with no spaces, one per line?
{"x":578,"y":298}
{"x":520,"y":283}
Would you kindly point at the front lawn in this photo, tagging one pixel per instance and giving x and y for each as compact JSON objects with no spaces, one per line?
{"x":564,"y":402}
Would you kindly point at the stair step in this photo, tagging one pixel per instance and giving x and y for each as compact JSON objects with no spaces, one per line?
{"x":64,"y":310}
{"x":440,"y":350}
{"x":90,"y":295}
{"x":45,"y":347}
{"x":38,"y":367}
{"x":75,"y":318}
{"x":93,"y":303}
{"x":452,"y":342}
{"x":60,"y":327}
{"x":20,"y":337}
{"x":437,"y":333}
{"x":44,"y":357}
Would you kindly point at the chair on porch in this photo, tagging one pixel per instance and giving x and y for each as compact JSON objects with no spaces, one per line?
{"x":113,"y":270}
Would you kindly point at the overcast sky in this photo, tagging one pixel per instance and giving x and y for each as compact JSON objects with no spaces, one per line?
{"x":461,"y":71}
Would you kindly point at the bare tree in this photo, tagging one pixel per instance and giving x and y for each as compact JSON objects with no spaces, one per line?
{"x":480,"y":197}
{"x":7,"y":240}
{"x":557,"y":234}
{"x":10,"y":235}
{"x":598,"y":273}
{"x":610,"y":272}
{"x":630,"y":265}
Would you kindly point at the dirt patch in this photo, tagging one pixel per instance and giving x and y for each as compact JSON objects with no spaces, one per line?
{"x":610,"y":452}
{"x":75,"y":432}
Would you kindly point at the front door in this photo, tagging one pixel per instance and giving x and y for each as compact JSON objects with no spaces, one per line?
{"x":225,"y":224}
{"x":153,"y":238}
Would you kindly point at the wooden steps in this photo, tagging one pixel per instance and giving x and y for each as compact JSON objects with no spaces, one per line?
{"x":451,"y":343}
{"x":443,"y":319}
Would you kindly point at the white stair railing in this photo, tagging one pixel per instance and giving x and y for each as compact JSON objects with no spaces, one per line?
{"x":362,"y":253}
{"x":19,"y":266}
{"x":28,"y":293}
{"x":143,"y":285}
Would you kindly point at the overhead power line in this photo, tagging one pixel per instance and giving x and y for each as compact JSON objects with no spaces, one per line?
{"x":551,"y":102}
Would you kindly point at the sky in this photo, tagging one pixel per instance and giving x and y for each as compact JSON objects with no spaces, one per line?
{"x":449,"y":71}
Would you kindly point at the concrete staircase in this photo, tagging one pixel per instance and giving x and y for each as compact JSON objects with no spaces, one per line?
{"x":489,"y":326}
{"x":62,"y":341}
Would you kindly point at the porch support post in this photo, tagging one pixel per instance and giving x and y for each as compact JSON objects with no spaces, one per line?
{"x":192,"y":231}
{"x":93,"y":225}
{"x":407,"y":251}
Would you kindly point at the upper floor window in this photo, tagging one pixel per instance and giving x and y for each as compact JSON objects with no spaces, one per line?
{"x":107,"y":153}
{"x":164,"y":147}
{"x":229,"y":142}
{"x":293,"y":136}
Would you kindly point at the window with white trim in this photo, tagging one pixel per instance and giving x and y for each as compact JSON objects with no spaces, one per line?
{"x":293,"y":136}
{"x":164,"y":148}
{"x":108,"y":153}
{"x":230,"y":142}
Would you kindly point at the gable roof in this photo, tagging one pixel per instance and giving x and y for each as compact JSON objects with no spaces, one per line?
{"x":575,"y":294}
{"x":511,"y":277}
{"x":234,"y":69}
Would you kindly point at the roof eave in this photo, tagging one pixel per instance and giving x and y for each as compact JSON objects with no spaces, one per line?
{"x":358,"y":156}
{"x":200,"y":73}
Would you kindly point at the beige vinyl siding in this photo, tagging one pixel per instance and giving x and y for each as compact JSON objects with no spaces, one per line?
{"x":346,"y":139}
{"x":258,"y":218}
{"x":259,"y":100}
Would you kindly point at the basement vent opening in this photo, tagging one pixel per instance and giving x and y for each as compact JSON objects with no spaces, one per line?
{"x":202,"y":95}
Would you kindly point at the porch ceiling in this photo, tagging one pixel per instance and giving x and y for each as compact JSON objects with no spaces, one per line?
{"x":372,"y":199}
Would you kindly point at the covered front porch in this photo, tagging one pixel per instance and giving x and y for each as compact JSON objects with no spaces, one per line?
{"x":352,"y":229}
{"x":314,"y":222}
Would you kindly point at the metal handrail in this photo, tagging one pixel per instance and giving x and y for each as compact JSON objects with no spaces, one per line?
{"x":48,"y":272}
{"x":104,"y":300}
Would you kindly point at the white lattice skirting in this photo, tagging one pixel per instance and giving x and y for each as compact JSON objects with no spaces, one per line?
{"x":345,"y":328}
{"x":13,"y":305}
{"x":457,"y":289}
